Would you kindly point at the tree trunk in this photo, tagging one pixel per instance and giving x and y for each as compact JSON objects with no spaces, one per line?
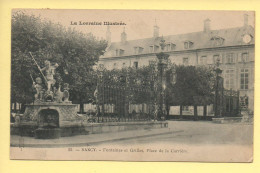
{"x":204,"y":111}
{"x":81,"y":108}
{"x":195,"y":112}
{"x":103,"y":111}
{"x":181,"y":112}
{"x":167,"y":111}
{"x":22,"y":108}
{"x":11,"y":107}
{"x":15,"y":106}
{"x":142,"y":116}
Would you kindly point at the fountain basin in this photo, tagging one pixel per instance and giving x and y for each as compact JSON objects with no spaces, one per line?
{"x":47,"y":133}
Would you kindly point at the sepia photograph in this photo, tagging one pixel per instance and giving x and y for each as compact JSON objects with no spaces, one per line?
{"x":132,"y":85}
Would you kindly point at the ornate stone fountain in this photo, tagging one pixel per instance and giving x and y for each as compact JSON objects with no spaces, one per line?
{"x":51,"y":109}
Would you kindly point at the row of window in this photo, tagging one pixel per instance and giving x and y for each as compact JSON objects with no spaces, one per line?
{"x":203,"y":60}
{"x":169,"y":47}
{"x":230,"y":58}
{"x":135,"y":65}
{"x":215,"y":41}
{"x":155,"y":48}
{"x":119,"y":52}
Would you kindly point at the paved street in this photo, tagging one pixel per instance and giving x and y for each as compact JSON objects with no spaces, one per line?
{"x":191,"y":132}
{"x":178,"y":132}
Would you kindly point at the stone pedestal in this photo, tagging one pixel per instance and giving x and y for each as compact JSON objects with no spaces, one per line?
{"x":49,"y":118}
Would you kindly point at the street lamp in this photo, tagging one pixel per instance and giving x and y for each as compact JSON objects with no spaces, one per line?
{"x":219,"y":82}
{"x":162,"y":65}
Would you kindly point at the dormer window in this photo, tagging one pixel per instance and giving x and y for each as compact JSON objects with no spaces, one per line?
{"x":170,"y":47}
{"x":188,"y":44}
{"x":153,"y":48}
{"x":119,"y":52}
{"x":217,"y":41}
{"x":138,"y":50}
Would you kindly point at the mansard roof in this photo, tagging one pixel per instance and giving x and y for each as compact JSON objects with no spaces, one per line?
{"x":200,"y":40}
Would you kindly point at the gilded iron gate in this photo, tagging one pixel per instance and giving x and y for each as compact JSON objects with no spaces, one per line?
{"x":120,"y":98}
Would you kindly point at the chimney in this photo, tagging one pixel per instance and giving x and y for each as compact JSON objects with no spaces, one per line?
{"x":245,"y":19}
{"x":155,"y":30}
{"x":123,"y":36}
{"x":207,"y":25}
{"x":108,"y":35}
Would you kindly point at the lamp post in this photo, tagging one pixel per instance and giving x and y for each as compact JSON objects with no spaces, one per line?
{"x":219,"y":82}
{"x":152,"y":92}
{"x":162,"y":65}
{"x":171,"y":79}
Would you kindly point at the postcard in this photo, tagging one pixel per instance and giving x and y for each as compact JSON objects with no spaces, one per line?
{"x":132,"y":85}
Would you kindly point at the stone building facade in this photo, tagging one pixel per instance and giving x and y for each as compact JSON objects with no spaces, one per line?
{"x":233,"y":47}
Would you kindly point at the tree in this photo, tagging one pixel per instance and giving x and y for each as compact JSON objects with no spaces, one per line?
{"x":194,"y":86}
{"x":75,"y":52}
{"x":137,"y":79}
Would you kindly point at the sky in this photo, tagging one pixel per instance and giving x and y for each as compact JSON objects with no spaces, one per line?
{"x":139,"y":23}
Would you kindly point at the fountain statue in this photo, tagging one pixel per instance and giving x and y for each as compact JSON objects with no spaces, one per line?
{"x":39,"y":89}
